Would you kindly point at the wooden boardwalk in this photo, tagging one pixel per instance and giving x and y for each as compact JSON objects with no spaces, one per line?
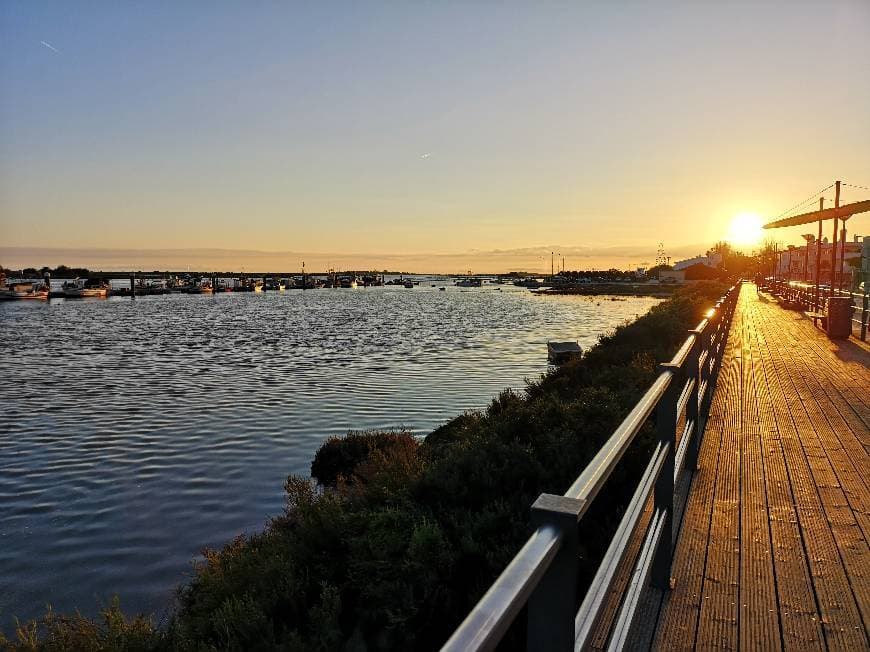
{"x":772,"y":551}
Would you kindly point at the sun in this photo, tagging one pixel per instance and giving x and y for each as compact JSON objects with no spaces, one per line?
{"x":745,"y":230}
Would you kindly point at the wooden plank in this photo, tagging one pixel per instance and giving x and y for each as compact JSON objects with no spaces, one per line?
{"x":759,"y":608}
{"x":799,"y":618}
{"x":719,"y":593}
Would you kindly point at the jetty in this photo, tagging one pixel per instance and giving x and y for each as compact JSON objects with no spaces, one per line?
{"x":749,"y":528}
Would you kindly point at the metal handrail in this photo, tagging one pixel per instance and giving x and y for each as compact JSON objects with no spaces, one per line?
{"x":496,"y":610}
{"x":590,"y":610}
{"x":590,"y":481}
{"x":543,"y":573}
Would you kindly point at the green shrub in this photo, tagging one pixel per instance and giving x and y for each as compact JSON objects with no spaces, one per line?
{"x":338,"y":457}
{"x":114,"y":632}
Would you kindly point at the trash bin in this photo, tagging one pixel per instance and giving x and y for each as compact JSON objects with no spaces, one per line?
{"x":839,"y":317}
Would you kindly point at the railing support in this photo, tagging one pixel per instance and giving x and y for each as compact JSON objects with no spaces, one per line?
{"x":864,"y":311}
{"x":693,"y":412}
{"x":554,"y":601}
{"x":666,"y":429}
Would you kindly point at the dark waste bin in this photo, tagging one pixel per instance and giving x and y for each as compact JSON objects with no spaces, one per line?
{"x":839,"y":317}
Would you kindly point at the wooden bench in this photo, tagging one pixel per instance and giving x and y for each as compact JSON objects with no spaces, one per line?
{"x":816,"y":316}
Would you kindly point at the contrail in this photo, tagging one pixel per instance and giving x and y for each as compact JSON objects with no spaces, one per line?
{"x":50,"y":46}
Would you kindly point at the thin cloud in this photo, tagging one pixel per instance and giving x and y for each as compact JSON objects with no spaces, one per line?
{"x":50,"y":46}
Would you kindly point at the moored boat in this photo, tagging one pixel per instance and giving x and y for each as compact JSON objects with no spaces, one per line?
{"x":530,"y":283}
{"x":83,"y":289}
{"x":25,"y":290}
{"x":560,"y":352}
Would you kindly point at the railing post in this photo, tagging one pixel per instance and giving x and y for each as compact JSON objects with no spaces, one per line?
{"x":715,"y":340}
{"x":692,"y":406}
{"x":864,"y":310}
{"x":706,"y":345}
{"x":666,"y":429}
{"x":553,"y":603}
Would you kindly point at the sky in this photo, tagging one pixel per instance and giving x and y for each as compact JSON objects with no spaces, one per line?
{"x":437,"y":137}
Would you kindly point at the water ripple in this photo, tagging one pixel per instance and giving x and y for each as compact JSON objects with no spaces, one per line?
{"x":136,"y":432}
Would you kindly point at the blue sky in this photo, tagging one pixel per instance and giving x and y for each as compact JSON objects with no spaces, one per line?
{"x":421,"y":127}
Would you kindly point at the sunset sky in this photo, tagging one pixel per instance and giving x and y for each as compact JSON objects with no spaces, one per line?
{"x":429,"y":136}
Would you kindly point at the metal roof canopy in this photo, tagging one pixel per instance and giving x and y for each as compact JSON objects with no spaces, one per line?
{"x":843,"y":212}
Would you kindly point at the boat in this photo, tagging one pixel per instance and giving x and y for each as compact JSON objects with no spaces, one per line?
{"x":561,"y":352}
{"x":25,"y":290}
{"x":144,"y":288}
{"x":203,"y":287}
{"x":469,"y":283}
{"x":409,"y":284}
{"x":82,"y":289}
{"x":349,"y":282}
{"x":530,"y":283}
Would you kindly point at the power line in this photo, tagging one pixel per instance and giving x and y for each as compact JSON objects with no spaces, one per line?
{"x":851,"y":185}
{"x":805,"y":201}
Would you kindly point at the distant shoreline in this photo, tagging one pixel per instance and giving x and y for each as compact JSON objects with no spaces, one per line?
{"x":621,"y":289}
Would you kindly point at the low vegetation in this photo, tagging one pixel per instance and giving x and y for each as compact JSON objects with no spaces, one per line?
{"x":401,"y":537}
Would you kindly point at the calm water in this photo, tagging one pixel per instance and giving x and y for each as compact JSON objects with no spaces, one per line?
{"x":135,"y":432}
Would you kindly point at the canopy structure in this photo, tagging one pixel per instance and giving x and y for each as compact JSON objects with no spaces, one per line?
{"x":843,"y":212}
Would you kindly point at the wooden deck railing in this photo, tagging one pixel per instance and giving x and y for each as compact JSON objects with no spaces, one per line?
{"x":543,"y":574}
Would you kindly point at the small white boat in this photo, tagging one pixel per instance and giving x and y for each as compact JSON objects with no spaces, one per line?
{"x":560,"y":352}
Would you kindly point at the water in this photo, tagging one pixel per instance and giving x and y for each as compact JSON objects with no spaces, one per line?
{"x":135,"y":432}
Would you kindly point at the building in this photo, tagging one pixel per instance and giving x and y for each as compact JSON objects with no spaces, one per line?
{"x":672,"y":276}
{"x":799,"y":263}
{"x":713,"y":260}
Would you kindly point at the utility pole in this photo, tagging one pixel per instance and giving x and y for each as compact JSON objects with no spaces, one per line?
{"x":843,"y":251}
{"x":809,"y":238}
{"x":834,"y":248}
{"x":552,"y":272}
{"x":842,"y":242}
{"x":819,"y":252}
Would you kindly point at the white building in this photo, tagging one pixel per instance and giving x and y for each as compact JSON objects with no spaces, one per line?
{"x":799,"y":264}
{"x":712,"y":259}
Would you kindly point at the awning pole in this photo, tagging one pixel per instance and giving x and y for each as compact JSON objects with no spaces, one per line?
{"x":819,"y":251}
